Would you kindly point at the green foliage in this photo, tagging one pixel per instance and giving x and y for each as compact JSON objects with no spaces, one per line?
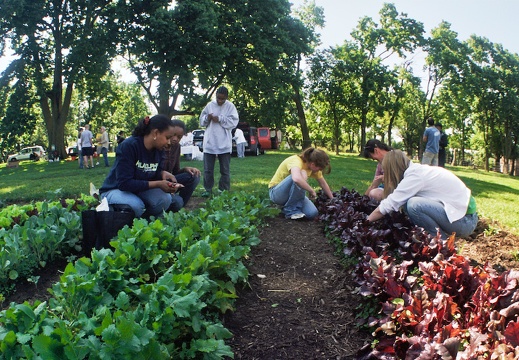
{"x":32,"y":235}
{"x":157,"y":294}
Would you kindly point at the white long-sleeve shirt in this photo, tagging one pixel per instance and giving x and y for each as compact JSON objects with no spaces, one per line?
{"x":430,"y":182}
{"x":218,"y":136}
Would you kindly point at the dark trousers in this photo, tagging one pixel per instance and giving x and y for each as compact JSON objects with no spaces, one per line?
{"x":225,"y":171}
{"x":180,"y":199}
{"x":442,"y":156}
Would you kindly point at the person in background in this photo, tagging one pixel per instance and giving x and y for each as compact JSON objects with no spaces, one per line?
{"x":137,"y":178}
{"x":376,"y":150}
{"x":240,"y":141}
{"x":219,"y":117}
{"x":433,"y":197}
{"x":289,"y":184}
{"x":104,"y":143}
{"x":431,"y":138}
{"x":78,"y":145}
{"x":87,"y":148}
{"x":120,"y":137}
{"x":444,"y":141}
{"x":189,"y":177}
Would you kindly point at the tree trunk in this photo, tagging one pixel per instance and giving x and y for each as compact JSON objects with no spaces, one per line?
{"x":302,"y":118}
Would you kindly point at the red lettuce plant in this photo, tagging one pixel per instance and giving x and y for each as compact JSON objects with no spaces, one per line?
{"x":434,"y":304}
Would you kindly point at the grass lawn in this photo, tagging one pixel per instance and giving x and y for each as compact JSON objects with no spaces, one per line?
{"x":496,"y":194}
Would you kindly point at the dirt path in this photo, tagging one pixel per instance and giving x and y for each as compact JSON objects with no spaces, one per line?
{"x":299,"y":304}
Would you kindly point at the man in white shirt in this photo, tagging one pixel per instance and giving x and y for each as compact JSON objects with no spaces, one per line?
{"x":219,"y":117}
{"x":86,"y":147}
{"x":240,"y":141}
{"x":104,"y":145}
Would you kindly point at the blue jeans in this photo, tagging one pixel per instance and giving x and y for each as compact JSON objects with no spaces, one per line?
{"x":240,"y":150}
{"x":152,"y":202}
{"x":180,"y":199}
{"x":80,"y":155}
{"x":225,"y":171}
{"x":104,"y":151}
{"x":431,"y":215}
{"x":293,"y":199}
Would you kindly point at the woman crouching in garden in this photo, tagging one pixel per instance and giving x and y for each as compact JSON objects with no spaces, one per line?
{"x":433,"y":197}
{"x":289,"y":185}
{"x":137,"y":178}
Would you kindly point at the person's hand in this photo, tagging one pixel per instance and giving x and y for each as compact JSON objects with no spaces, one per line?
{"x":170,"y":186}
{"x":168,"y":176}
{"x":193,"y":171}
{"x":378,"y":180}
{"x":312,"y":194}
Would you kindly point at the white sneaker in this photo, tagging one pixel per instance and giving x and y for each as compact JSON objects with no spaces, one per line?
{"x":297,"y":216}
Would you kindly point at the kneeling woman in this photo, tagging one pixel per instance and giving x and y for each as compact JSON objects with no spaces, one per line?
{"x":136,"y":178}
{"x":289,"y":185}
{"x":433,"y":197}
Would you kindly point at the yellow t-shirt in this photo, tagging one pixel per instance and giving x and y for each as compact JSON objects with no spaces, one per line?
{"x":290,"y":162}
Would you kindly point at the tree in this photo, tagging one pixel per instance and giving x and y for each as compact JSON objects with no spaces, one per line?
{"x":186,"y":51}
{"x":375,"y":43}
{"x":59,"y":43}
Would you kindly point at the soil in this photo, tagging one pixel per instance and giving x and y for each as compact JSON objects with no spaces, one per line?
{"x":299,"y":301}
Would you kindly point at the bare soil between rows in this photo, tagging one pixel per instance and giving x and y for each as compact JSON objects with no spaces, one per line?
{"x":300,"y":301}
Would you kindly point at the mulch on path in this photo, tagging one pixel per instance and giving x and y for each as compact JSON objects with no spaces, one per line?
{"x":300,"y":302}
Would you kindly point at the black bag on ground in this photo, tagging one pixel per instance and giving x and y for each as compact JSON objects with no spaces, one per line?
{"x":99,"y":227}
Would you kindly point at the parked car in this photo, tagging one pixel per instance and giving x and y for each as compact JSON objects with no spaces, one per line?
{"x":268,"y":138}
{"x":252,"y":146}
{"x":28,"y":153}
{"x":198,"y":138}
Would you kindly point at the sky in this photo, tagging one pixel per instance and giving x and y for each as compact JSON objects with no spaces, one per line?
{"x":494,"y":19}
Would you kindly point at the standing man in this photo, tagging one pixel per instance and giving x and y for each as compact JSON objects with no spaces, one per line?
{"x":87,"y":148}
{"x":104,"y":145}
{"x":240,"y":141}
{"x":431,"y":137}
{"x":219,"y":117}
{"x":444,"y":141}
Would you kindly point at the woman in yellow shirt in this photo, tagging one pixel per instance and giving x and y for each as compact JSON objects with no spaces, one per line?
{"x":289,"y":185}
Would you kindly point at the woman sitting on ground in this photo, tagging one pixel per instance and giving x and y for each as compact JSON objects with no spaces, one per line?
{"x":289,"y":185}
{"x":433,"y":197}
{"x":137,"y":178}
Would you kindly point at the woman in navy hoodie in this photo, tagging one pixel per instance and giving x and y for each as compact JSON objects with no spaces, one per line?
{"x":137,"y":178}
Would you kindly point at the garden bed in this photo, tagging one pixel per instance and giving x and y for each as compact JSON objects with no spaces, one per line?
{"x":300,"y":301}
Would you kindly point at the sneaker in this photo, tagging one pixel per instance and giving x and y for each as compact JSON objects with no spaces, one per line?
{"x":297,"y":216}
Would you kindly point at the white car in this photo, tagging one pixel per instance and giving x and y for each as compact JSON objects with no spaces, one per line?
{"x":28,"y":153}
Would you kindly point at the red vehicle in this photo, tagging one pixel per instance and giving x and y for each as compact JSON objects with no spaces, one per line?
{"x":268,"y":138}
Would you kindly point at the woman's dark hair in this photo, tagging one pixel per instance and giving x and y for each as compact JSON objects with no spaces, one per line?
{"x":178,"y":123}
{"x":318,"y":157}
{"x":146,"y":125}
{"x":371,"y":145}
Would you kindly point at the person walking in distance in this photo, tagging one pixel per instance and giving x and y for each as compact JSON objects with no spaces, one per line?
{"x":240,"y":141}
{"x":87,"y":148}
{"x":219,"y":117}
{"x":104,"y":145}
{"x":431,"y":138}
